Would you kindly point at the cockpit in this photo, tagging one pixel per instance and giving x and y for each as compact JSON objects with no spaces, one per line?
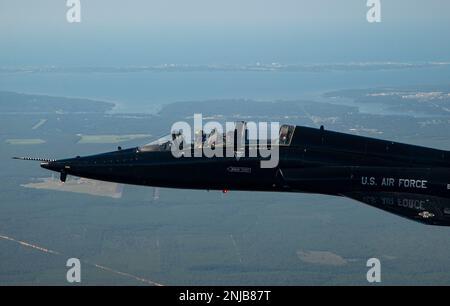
{"x":161,"y":144}
{"x":286,"y":133}
{"x":214,"y":138}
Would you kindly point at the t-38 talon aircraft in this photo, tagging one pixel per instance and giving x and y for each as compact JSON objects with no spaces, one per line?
{"x":407,"y":180}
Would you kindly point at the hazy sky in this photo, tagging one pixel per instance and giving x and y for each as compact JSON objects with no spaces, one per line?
{"x":140,"y":32}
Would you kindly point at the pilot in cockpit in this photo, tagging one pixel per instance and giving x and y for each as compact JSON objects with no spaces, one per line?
{"x":179,"y":138}
{"x":286,"y":132}
{"x":212,"y":138}
{"x":283,"y":134}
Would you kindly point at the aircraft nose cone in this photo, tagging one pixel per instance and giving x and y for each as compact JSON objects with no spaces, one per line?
{"x":58,"y":167}
{"x":53,"y":166}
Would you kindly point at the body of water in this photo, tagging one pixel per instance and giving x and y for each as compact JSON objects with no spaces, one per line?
{"x":148,"y":91}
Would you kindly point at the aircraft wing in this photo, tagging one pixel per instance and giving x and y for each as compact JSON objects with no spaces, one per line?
{"x":421,"y":208}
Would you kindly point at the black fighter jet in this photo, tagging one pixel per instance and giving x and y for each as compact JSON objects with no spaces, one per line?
{"x":407,"y":180}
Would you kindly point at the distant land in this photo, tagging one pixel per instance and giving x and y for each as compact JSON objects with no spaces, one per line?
{"x":29,"y":141}
{"x":79,"y":185}
{"x":321,"y":258}
{"x":254,"y":67}
{"x":91,"y":122}
{"x":418,"y":100}
{"x":110,"y":138}
{"x":11,"y":102}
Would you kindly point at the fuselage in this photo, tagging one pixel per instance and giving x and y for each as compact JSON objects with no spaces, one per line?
{"x":314,"y":160}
